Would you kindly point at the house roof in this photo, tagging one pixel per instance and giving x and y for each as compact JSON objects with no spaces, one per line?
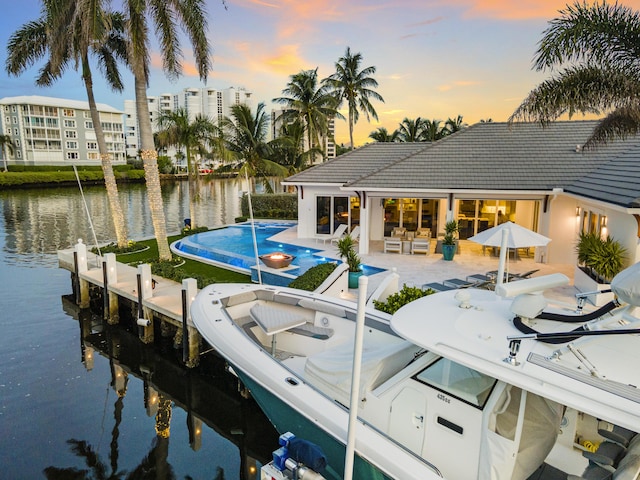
{"x":498,"y":157}
{"x":357,"y":163}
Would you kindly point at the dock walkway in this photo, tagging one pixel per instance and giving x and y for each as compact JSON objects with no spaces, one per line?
{"x":155,"y":297}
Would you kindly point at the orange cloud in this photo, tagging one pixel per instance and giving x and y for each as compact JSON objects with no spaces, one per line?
{"x":286,"y":60}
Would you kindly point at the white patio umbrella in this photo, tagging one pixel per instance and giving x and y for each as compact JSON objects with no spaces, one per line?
{"x":509,"y":235}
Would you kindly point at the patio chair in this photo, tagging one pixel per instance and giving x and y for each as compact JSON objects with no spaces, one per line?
{"x":392,"y":244}
{"x":458,"y":283}
{"x":423,"y":233}
{"x":335,"y":235}
{"x":398,"y":232}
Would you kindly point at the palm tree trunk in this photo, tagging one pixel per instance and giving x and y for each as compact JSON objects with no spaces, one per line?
{"x":351,"y":128}
{"x":150,"y":162}
{"x":191,"y":174}
{"x":117,"y":215}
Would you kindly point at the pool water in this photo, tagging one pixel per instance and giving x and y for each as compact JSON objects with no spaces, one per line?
{"x":233,"y":248}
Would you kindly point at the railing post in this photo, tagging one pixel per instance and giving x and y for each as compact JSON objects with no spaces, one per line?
{"x":112,"y":314}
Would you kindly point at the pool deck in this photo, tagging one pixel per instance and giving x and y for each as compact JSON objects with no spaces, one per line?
{"x":416,"y":270}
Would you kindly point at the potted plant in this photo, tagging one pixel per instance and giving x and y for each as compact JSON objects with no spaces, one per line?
{"x":599,"y":260}
{"x":449,"y":242}
{"x":352,"y":259}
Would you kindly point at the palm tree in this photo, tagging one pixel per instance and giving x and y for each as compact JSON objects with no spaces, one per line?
{"x":411,"y":130}
{"x":453,"y":125}
{"x":383,"y":135}
{"x":288,"y":149}
{"x":310,"y":102}
{"x":177,"y":130}
{"x":432,"y":131}
{"x":599,"y":44}
{"x":355,"y":86}
{"x":244,"y":136}
{"x":6,"y":145}
{"x":164,"y":16}
{"x":70,"y":31}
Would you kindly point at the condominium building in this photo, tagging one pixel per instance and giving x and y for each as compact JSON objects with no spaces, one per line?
{"x":210,"y":102}
{"x":57,"y":131}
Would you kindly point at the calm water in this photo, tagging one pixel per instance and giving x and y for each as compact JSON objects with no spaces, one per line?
{"x":65,"y":402}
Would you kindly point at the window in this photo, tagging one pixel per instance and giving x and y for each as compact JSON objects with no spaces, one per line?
{"x":51,"y":111}
{"x":88,"y":125}
{"x":70,"y":123}
{"x":72,"y":155}
{"x":73,"y":145}
{"x":70,"y":134}
{"x":92,"y":145}
{"x":459,"y":381}
{"x":15,"y":120}
{"x":16,"y":132}
{"x":86,"y":114}
{"x":14,"y":109}
{"x":68,"y":112}
{"x":92,"y":156}
{"x":17,"y":142}
{"x":18,"y":154}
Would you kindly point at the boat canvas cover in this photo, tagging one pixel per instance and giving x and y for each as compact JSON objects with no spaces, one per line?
{"x":528,"y":434}
{"x":331,"y":370}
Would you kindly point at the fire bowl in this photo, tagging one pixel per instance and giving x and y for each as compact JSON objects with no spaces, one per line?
{"x":277,"y":259}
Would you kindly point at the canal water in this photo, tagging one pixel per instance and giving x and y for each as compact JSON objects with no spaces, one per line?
{"x":79,"y":399}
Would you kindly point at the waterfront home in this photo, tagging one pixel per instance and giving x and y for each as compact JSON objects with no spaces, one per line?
{"x":541,"y":178}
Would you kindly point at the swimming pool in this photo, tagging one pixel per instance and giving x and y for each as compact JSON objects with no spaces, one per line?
{"x":232,"y":247}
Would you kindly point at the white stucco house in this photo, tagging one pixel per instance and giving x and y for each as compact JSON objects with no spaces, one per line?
{"x":540,"y":178}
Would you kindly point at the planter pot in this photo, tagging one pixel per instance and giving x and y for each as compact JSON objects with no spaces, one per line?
{"x":448,"y":252}
{"x":585,"y":283}
{"x":353,"y":279}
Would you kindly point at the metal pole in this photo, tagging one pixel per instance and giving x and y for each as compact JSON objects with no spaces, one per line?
{"x":76,"y":279}
{"x":253,"y":228}
{"x":355,"y":379}
{"x":105,"y":293}
{"x":140,"y":311}
{"x":185,"y":331}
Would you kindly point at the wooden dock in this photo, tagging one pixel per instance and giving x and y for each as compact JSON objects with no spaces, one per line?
{"x":156,"y":299}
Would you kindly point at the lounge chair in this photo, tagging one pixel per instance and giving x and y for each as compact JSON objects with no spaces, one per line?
{"x":458,"y":283}
{"x":355,"y":233}
{"x":335,"y":235}
{"x":438,"y":287}
{"x":392,"y":244}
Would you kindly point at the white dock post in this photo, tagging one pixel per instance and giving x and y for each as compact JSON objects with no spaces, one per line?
{"x":145,"y":290}
{"x":81,"y":266}
{"x":111,"y":278}
{"x":190,"y":339}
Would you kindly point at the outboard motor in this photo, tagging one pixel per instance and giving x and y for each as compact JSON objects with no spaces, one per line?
{"x":296,"y":459}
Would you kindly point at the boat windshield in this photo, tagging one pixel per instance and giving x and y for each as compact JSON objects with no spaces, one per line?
{"x":457,"y":380}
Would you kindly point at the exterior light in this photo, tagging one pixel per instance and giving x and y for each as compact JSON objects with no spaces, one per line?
{"x":578,"y":211}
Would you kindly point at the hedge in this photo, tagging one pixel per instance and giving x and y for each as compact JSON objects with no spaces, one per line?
{"x":15,"y":179}
{"x":271,"y":205}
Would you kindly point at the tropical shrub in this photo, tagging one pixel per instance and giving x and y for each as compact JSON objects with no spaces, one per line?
{"x":313,"y":278}
{"x":401,"y":298}
{"x":602,"y":259}
{"x":271,"y":205}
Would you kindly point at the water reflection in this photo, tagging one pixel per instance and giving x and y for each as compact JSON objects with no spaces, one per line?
{"x":208,"y":395}
{"x":41,"y":221}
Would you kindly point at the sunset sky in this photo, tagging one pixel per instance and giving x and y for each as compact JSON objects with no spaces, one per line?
{"x":434,"y":58}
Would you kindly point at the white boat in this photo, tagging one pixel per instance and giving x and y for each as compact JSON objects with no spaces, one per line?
{"x":449,"y":386}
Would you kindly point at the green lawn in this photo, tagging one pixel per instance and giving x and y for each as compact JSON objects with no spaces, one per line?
{"x":204,"y":273}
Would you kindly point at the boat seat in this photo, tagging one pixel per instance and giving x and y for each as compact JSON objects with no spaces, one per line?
{"x":308,"y":330}
{"x":615,"y":433}
{"x":608,"y":454}
{"x":273,"y":320}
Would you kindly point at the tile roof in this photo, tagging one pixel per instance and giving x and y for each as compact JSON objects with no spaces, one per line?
{"x":356,"y":163}
{"x":498,"y":157}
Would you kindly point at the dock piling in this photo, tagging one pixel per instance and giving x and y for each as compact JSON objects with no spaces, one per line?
{"x":81,"y":266}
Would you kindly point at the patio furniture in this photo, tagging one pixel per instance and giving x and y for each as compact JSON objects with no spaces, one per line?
{"x":479,"y":277}
{"x":336,"y":234}
{"x":399,"y":232}
{"x":423,"y":233}
{"x":355,"y":233}
{"x":458,"y":283}
{"x":420,"y":245}
{"x":392,"y":245}
{"x":438,"y":287}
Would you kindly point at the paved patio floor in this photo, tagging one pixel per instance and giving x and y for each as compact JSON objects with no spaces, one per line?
{"x":416,"y":270}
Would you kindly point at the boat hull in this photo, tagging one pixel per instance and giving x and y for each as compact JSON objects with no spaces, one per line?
{"x":286,"y":419}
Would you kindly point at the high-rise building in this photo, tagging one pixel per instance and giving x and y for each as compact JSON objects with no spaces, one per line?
{"x":56,"y":131}
{"x":210,"y":102}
